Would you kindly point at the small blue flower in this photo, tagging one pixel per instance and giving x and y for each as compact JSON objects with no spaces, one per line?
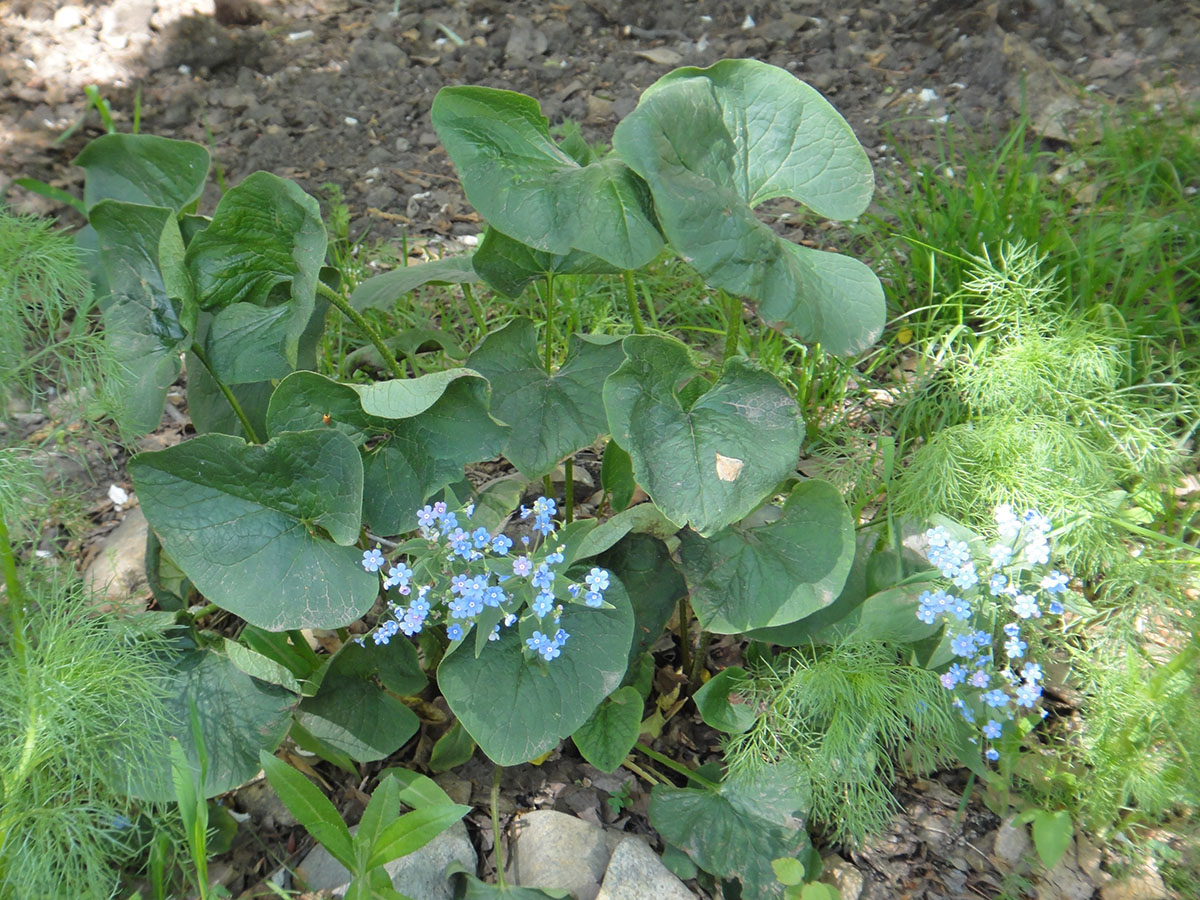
{"x":454,"y":632}
{"x":481,"y":537}
{"x":426,"y":517}
{"x":501,"y":544}
{"x":953,"y":676}
{"x":543,"y":577}
{"x":372,"y":559}
{"x":996,"y":698}
{"x":997,"y":583}
{"x":522,"y":566}
{"x":1037,"y":551}
{"x":982,"y":639}
{"x":1026,"y":606}
{"x":1012,"y":629}
{"x":927,"y":611}
{"x":555,"y":558}
{"x":542,"y":604}
{"x":992,"y":753}
{"x":1054,"y":608}
{"x":1015,"y":648}
{"x":1031,"y":673}
{"x":449,"y":520}
{"x":550,"y":651}
{"x":1028,"y":694}
{"x":597,"y":580}
{"x":980,"y":678}
{"x":1001,"y":555}
{"x":494,"y":595}
{"x":963,"y":645}
{"x":1054,"y":582}
{"x":537,"y":641}
{"x":594,"y":599}
{"x":992,"y":729}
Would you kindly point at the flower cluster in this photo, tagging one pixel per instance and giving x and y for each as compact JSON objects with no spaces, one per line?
{"x":1018,"y":592}
{"x":466,"y":578}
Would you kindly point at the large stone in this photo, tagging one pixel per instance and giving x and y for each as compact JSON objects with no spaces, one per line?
{"x":636,"y":873}
{"x":421,"y":875}
{"x":118,"y":573}
{"x":1012,"y":846}
{"x":554,"y":850}
{"x":1144,"y":884}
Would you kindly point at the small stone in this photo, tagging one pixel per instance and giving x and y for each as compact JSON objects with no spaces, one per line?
{"x":68,"y":17}
{"x":636,"y":873}
{"x":844,"y":876}
{"x":118,"y":573}
{"x":259,"y":799}
{"x":557,"y":851}
{"x":1012,"y":845}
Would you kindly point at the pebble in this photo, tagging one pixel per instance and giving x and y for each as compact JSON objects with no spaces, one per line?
{"x":118,"y":573}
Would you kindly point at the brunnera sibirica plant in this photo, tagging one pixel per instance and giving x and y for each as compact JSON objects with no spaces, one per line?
{"x":310,"y":502}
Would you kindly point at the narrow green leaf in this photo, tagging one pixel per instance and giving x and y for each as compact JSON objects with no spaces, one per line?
{"x":382,"y":809}
{"x":416,"y":790}
{"x":311,"y":808}
{"x":412,"y":831}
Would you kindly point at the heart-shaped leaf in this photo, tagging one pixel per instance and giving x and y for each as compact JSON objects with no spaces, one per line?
{"x":554,"y":415}
{"x":351,"y":713}
{"x":721,"y":703}
{"x":238,"y":716}
{"x":738,"y":829}
{"x":142,"y":168}
{"x":763,"y":575}
{"x":241,"y":521}
{"x":710,"y":462}
{"x":606,"y":738}
{"x":509,"y":266}
{"x":146,"y":316}
{"x":419,"y":435}
{"x":542,"y":702}
{"x":529,"y":188}
{"x":382,"y":291}
{"x":712,"y":144}
{"x":264,"y":248}
{"x":644,"y":566}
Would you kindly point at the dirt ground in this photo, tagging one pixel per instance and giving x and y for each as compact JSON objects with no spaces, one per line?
{"x":338,"y":92}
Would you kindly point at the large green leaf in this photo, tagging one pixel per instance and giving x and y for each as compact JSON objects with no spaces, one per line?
{"x":416,"y":439}
{"x":264,"y":249}
{"x":606,"y":738}
{"x":352,"y":714}
{"x":737,"y":830}
{"x":772,"y":574}
{"x":238,"y":715}
{"x":529,"y":188}
{"x":553,"y":415}
{"x":712,"y":144}
{"x":710,"y":462}
{"x":242,"y":522}
{"x":509,"y":266}
{"x":146,"y":316}
{"x":142,"y":168}
{"x":643,"y":564}
{"x":542,"y":703}
{"x":382,"y":291}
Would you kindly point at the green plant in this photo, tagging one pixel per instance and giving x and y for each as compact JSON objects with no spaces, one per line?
{"x":383,"y":834}
{"x":47,"y":334}
{"x":81,"y":699}
{"x":846,"y":715}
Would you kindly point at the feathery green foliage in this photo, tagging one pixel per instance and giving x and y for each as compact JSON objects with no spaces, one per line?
{"x":850,"y":715}
{"x":78,"y":705}
{"x":46,"y":336}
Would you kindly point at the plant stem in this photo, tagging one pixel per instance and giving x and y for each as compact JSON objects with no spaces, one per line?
{"x":356,"y":317}
{"x":16,"y":594}
{"x":733,"y":325}
{"x":677,"y":767}
{"x":698,"y":660}
{"x":496,"y":826}
{"x":232,"y":400}
{"x":631,"y":300}
{"x":569,"y":489}
{"x":685,"y":637}
{"x":549,"y":336}
{"x":476,"y":310}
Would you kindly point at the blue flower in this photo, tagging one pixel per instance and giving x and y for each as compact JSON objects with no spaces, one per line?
{"x":501,"y":544}
{"x":543,"y":577}
{"x":426,"y":517}
{"x":522,"y":566}
{"x":927,"y":612}
{"x":537,"y":641}
{"x":982,"y":639}
{"x":1012,"y":629}
{"x":963,"y":645}
{"x":1026,"y":606}
{"x":992,"y":753}
{"x":555,"y":558}
{"x":399,"y":574}
{"x":1054,"y":608}
{"x":996,"y":698}
{"x":1032,"y":673}
{"x":454,"y":632}
{"x":594,"y":599}
{"x":980,"y":678}
{"x":449,"y":519}
{"x":1037,"y":551}
{"x":1015,"y":648}
{"x":1001,"y":555}
{"x":482,"y":537}
{"x":372,"y":559}
{"x":997,"y":583}
{"x":542,"y":604}
{"x":597,"y":580}
{"x":1054,"y":582}
{"x":494,"y":595}
{"x":953,"y":676}
{"x":992,"y":729}
{"x":1028,"y":694}
{"x":550,"y":651}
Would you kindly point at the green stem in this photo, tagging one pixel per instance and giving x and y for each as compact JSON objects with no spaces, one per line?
{"x":685,"y":637}
{"x":16,"y":594}
{"x":569,"y":490}
{"x":635,"y":312}
{"x":549,"y":324}
{"x":306,"y":651}
{"x":496,"y":826}
{"x":678,"y":767}
{"x":733,"y":325}
{"x":476,"y":310}
{"x":356,"y":317}
{"x":232,"y":400}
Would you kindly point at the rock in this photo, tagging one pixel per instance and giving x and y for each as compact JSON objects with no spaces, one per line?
{"x":636,"y":873}
{"x":118,"y":573}
{"x":368,"y":55}
{"x":843,"y":876}
{"x":1012,"y":845}
{"x":1144,"y":884}
{"x":554,"y":850}
{"x":1065,"y":881}
{"x":421,"y":875}
{"x":68,"y":17}
{"x":125,"y":18}
{"x":524,"y":43}
{"x":259,"y":799}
